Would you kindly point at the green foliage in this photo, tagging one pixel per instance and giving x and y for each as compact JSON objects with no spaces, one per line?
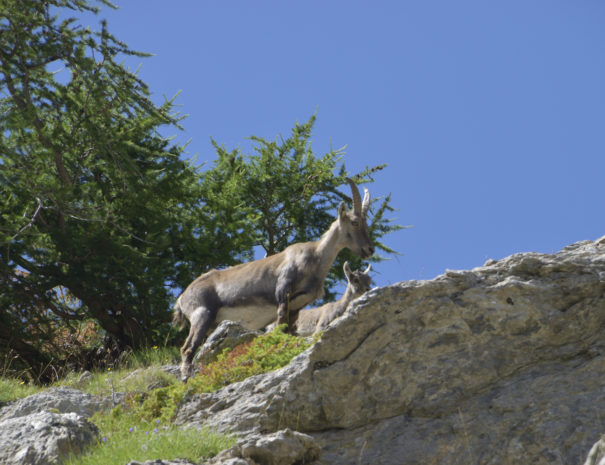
{"x":288,"y":194}
{"x":265,"y":353}
{"x":124,"y":437}
{"x":13,"y":389}
{"x":99,"y":216}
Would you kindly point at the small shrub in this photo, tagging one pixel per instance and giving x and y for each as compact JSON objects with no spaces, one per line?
{"x":264,"y":353}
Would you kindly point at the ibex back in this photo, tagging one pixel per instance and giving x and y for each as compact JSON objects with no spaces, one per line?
{"x":252,"y":293}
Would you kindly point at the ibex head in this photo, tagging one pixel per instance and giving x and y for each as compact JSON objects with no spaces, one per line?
{"x":360,"y":281}
{"x":353,"y":223}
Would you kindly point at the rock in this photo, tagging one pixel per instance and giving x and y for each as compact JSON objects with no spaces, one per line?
{"x":60,"y":400}
{"x":43,"y":438}
{"x":43,"y":427}
{"x":227,"y":335}
{"x":85,"y":377}
{"x":285,"y":447}
{"x":502,"y":364}
{"x":596,"y":456}
{"x":174,"y":370}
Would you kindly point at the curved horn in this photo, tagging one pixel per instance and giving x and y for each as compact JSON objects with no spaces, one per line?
{"x":346,"y":268}
{"x":356,"y":197}
{"x":368,"y":268}
{"x":366,"y":202}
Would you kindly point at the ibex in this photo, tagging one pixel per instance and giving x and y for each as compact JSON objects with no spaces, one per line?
{"x":251,"y":293}
{"x":311,"y":321}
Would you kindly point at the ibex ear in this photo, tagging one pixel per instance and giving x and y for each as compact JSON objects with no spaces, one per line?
{"x":342,"y":210}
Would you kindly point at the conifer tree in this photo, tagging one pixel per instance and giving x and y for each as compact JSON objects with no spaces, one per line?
{"x":291,"y":195}
{"x":94,"y":203}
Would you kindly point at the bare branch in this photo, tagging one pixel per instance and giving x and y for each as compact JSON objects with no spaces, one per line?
{"x":31,"y":221}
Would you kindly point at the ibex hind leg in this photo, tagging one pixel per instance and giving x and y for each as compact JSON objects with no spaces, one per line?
{"x":200,"y":319}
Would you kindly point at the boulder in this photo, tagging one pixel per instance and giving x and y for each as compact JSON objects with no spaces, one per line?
{"x":43,"y":438}
{"x":59,"y":400}
{"x":227,"y":335}
{"x":502,"y":364}
{"x":41,"y":428}
{"x":285,"y":447}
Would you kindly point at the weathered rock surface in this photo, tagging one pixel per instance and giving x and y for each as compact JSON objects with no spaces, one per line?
{"x":285,"y":447}
{"x":39,"y":429}
{"x":43,"y":438}
{"x":227,"y":335}
{"x":59,"y":400}
{"x":503,"y":364}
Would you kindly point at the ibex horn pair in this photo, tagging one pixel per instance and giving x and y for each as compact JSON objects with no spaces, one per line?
{"x":360,"y":208}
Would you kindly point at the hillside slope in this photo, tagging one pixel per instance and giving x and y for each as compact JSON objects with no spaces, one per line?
{"x":501,"y":364}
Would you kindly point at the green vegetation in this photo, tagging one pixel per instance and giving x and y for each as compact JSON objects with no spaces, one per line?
{"x":12,"y":389}
{"x":125,"y":437}
{"x":141,"y":428}
{"x":265,"y":353}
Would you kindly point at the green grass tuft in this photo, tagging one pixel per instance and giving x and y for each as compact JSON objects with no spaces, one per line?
{"x":125,"y":437}
{"x":13,"y":389}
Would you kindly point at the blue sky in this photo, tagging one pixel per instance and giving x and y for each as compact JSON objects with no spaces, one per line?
{"x":490,"y":115}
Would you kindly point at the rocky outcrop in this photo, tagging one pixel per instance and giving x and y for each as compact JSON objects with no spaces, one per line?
{"x":43,"y":438}
{"x":227,"y":335}
{"x":44,"y":427}
{"x":59,"y":400}
{"x":502,"y":364}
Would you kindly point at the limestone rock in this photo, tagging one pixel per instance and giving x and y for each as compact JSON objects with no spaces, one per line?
{"x":174,"y":370}
{"x":59,"y":400}
{"x":502,"y":364}
{"x":285,"y":447}
{"x":43,"y":438}
{"x":227,"y":335}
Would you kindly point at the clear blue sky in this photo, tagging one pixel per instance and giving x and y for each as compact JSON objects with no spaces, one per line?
{"x":490,"y":115}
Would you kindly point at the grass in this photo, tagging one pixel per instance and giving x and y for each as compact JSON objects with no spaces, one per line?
{"x":145,"y":364}
{"x":125,"y":437}
{"x":135,"y":372}
{"x":141,"y":428}
{"x":12,"y":389}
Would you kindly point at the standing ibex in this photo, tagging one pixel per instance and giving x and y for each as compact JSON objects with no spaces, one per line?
{"x":251,"y":293}
{"x":311,"y":321}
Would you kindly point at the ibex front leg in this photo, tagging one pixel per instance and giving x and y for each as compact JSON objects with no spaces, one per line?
{"x":283,"y":312}
{"x":201,"y":319}
{"x":282,"y":294}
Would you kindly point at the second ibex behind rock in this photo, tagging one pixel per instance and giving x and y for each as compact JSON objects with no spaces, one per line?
{"x":252,"y":293}
{"x":310,"y":322}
